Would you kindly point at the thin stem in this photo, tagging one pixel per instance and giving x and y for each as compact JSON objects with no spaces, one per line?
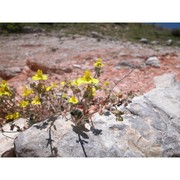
{"x":119,"y":82}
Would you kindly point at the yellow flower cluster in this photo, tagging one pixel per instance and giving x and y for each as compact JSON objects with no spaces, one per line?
{"x":52,"y":86}
{"x":36,"y":101}
{"x":13,"y":116}
{"x":27,"y":91}
{"x":38,"y":93}
{"x":39,"y":76}
{"x":73,"y":100}
{"x":23,"y":104}
{"x":4,"y":89}
{"x":87,"y":79}
{"x":99,"y":63}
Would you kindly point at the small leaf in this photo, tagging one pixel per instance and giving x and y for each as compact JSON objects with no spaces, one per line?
{"x":117,"y":112}
{"x":119,"y":118}
{"x":77,"y":113}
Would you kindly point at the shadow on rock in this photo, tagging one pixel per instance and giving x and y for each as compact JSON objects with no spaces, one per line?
{"x":51,"y":120}
{"x":80,"y":130}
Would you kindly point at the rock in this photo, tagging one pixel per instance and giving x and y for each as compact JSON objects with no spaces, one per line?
{"x":96,"y":35}
{"x":26,"y":69}
{"x":160,"y":109}
{"x":154,"y":42}
{"x":7,"y":138}
{"x":166,"y":100}
{"x":153,"y":61}
{"x":150,"y":129}
{"x":169,"y":42}
{"x":124,"y":64}
{"x":66,"y":69}
{"x":165,"y":81}
{"x":64,"y":142}
{"x":50,"y":67}
{"x":143,"y":40}
{"x":34,"y":65}
{"x":8,"y":73}
{"x":77,"y":66}
{"x":134,"y":63}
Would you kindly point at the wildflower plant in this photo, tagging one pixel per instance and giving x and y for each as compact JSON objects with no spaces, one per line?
{"x":77,"y":97}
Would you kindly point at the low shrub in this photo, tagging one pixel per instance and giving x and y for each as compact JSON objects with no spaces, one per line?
{"x":176,"y":32}
{"x":77,"y":97}
{"x":11,"y":27}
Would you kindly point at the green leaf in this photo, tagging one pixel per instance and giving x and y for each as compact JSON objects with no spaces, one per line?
{"x":77,"y":113}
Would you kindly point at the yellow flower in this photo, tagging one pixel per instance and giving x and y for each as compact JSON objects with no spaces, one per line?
{"x":39,"y":76}
{"x":99,"y":63}
{"x":90,"y":91}
{"x":48,"y":88}
{"x":36,"y":101}
{"x":73,"y":100}
{"x":63,"y":83}
{"x":9,"y":117}
{"x":64,"y":95}
{"x":87,"y":79}
{"x":106,"y":83}
{"x":75,"y":82}
{"x":93,"y":91}
{"x":53,"y":86}
{"x":3,"y":91}
{"x":27,"y":91}
{"x":23,"y":103}
{"x":12,"y":116}
{"x":4,"y":83}
{"x":16,"y":115}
